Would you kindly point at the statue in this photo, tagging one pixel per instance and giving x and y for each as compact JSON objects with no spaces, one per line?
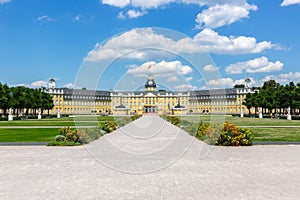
{"x":40,"y":114}
{"x":289,"y":116}
{"x":242,"y":112}
{"x":58,"y":114}
{"x":260,"y":113}
{"x":10,"y":116}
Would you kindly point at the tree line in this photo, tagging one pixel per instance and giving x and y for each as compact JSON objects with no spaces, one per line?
{"x":24,"y":100}
{"x":274,"y":98}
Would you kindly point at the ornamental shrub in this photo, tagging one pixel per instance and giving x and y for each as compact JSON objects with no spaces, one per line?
{"x":231,"y":135}
{"x":174,"y":120}
{"x":60,"y":138}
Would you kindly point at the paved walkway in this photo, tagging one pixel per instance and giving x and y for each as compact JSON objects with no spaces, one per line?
{"x":149,"y":159}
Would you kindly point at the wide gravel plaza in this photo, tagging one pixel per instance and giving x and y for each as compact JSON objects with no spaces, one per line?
{"x":150,"y":159}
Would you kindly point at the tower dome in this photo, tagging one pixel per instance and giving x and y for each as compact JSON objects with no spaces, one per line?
{"x":150,"y":84}
{"x":51,"y":84}
{"x":248,"y":83}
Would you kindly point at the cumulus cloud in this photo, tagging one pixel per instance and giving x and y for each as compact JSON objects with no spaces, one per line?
{"x":138,"y":3}
{"x":257,"y":65}
{"x":220,"y":15}
{"x":151,"y":4}
{"x":68,"y":85}
{"x":283,"y":78}
{"x":121,"y":15}
{"x":132,"y":45}
{"x":189,"y":79}
{"x":185,"y":87}
{"x":242,"y":8}
{"x":131,"y":14}
{"x":35,"y":84}
{"x":39,"y":84}
{"x":78,"y":17}
{"x":212,"y":42}
{"x":210,"y":68}
{"x":4,"y":1}
{"x":116,"y":3}
{"x":172,"y":79}
{"x":45,"y":18}
{"x":289,"y":2}
{"x":227,"y":83}
{"x":135,"y":13}
{"x":220,"y":83}
{"x":163,"y":68}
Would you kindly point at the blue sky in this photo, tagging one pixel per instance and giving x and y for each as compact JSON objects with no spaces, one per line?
{"x":47,"y":39}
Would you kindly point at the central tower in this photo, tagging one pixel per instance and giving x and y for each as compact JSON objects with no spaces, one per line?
{"x":150,"y":84}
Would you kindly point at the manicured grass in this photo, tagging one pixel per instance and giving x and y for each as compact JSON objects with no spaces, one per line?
{"x":27,"y":135}
{"x":66,"y":121}
{"x":276,"y":134}
{"x":47,"y":134}
{"x":246,"y":121}
{"x":261,"y":134}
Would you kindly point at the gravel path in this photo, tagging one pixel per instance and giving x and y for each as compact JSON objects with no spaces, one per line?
{"x":149,"y":159}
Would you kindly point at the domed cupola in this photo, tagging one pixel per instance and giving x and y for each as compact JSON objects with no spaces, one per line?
{"x":150,"y":84}
{"x":248,"y":83}
{"x":51,"y":84}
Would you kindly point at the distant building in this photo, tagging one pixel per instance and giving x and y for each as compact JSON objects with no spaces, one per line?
{"x":76,"y":101}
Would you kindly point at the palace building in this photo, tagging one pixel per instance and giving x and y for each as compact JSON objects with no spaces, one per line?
{"x":83,"y":101}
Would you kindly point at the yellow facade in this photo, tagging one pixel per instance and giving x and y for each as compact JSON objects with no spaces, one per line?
{"x":69,"y":101}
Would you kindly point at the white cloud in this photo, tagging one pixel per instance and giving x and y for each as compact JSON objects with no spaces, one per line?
{"x":163,"y":68}
{"x":35,"y":84}
{"x":131,"y":45}
{"x":155,"y":4}
{"x":185,"y":87}
{"x":131,"y":14}
{"x":289,"y":2}
{"x":220,"y":83}
{"x":45,"y":18}
{"x":121,"y":15}
{"x":210,"y":68}
{"x":257,"y":65}
{"x":227,"y":83}
{"x":151,"y":4}
{"x":69,"y":85}
{"x":135,"y":14}
{"x":116,"y":3}
{"x":189,"y":79}
{"x":212,"y":42}
{"x":4,"y":1}
{"x":78,"y":17}
{"x":39,"y":84}
{"x":284,"y":78}
{"x":220,"y":15}
{"x":172,"y":79}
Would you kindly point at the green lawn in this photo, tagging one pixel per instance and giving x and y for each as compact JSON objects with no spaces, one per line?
{"x":276,"y":134}
{"x":246,"y":121}
{"x":46,"y":134}
{"x":66,"y":121}
{"x":28,"y":135}
{"x":261,"y":134}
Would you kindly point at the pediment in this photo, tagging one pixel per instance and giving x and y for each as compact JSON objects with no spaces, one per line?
{"x":150,"y":94}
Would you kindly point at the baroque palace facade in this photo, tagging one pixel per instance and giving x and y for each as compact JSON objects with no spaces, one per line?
{"x":82,"y":101}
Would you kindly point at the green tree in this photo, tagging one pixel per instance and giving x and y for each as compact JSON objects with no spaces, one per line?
{"x":249,"y":102}
{"x":4,"y":98}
